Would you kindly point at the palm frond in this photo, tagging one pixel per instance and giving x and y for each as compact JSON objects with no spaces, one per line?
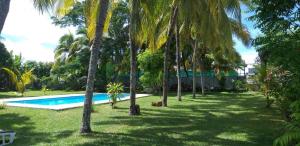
{"x":63,"y":7}
{"x":91,"y":12}
{"x":44,"y":5}
{"x":27,"y":77}
{"x":12,"y":75}
{"x":288,"y":138}
{"x":240,"y":32}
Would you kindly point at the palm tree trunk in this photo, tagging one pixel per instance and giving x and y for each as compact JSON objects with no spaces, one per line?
{"x":178,"y":63}
{"x":133,"y":109}
{"x":185,"y":70}
{"x":4,"y":8}
{"x":194,"y":69}
{"x":166,"y":55}
{"x":201,"y":75}
{"x":86,"y":118}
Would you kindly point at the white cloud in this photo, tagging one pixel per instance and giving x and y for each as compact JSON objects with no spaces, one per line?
{"x":30,"y":50}
{"x":249,"y":57}
{"x":35,"y":29}
{"x":248,"y":54}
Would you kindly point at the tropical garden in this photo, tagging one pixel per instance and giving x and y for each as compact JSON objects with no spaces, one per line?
{"x":175,"y":50}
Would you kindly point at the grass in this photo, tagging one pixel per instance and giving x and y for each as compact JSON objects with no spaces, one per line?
{"x":33,"y":93}
{"x":221,"y":119}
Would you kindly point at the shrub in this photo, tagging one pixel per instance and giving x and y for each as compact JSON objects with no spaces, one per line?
{"x":44,"y":89}
{"x":292,"y":135}
{"x":114,"y":91}
{"x":2,"y":106}
{"x":151,"y":68}
{"x":239,"y":85}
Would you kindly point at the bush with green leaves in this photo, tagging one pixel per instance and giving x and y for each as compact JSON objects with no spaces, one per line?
{"x":44,"y":89}
{"x":292,"y":136}
{"x":239,"y":85}
{"x":150,"y":63}
{"x":114,"y":91}
{"x":20,"y":80}
{"x":278,"y":47}
{"x":2,"y":105}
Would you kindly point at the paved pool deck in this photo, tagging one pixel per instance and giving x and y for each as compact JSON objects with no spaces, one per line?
{"x":57,"y":107}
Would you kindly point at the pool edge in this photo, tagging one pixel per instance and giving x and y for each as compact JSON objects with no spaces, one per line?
{"x":57,"y":107}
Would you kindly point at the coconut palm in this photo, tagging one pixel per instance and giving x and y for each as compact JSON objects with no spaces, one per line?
{"x":178,"y":60}
{"x":102,"y":14}
{"x":134,"y":28}
{"x":20,"y":80}
{"x":70,"y":46}
{"x":232,"y":57}
{"x":207,"y":20}
{"x":79,"y":45}
{"x":136,"y":40}
{"x":166,"y":54}
{"x":194,"y":68}
{"x":64,"y":46}
{"x":4,"y":8}
{"x":96,"y":12}
{"x":228,"y":11}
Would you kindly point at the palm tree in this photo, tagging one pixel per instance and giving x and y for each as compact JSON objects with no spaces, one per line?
{"x":172,"y":24}
{"x":226,"y":27}
{"x":240,"y":32}
{"x":79,"y":45}
{"x":194,"y":68}
{"x":70,"y":46}
{"x":61,"y":52}
{"x":96,"y":14}
{"x":134,"y":28}
{"x":20,"y":80}
{"x":86,"y":118}
{"x":202,"y":18}
{"x":202,"y":54}
{"x":4,"y":8}
{"x":205,"y":23}
{"x":178,"y":60}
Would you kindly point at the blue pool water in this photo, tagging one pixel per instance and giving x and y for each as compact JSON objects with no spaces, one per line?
{"x":66,"y":100}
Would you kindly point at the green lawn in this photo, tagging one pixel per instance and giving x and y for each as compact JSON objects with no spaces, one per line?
{"x":36,"y":93}
{"x":223,"y":119}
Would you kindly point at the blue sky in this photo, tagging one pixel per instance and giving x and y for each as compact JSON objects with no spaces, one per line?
{"x":248,"y":53}
{"x":32,"y":34}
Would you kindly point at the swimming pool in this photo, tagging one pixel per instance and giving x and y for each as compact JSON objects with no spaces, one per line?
{"x":60,"y":102}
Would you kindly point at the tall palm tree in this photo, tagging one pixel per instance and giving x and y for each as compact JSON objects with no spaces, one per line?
{"x":229,"y":11}
{"x":4,"y":8}
{"x":206,"y":20}
{"x":97,"y":12}
{"x":194,"y":68}
{"x":178,"y":60}
{"x":240,"y":32}
{"x":134,"y":28}
{"x":86,"y":118}
{"x":172,"y":24}
{"x":138,"y":30}
{"x":171,"y":14}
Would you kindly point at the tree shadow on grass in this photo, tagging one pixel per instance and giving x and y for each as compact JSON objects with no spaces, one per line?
{"x":25,"y":130}
{"x":231,"y":120}
{"x":222,"y":119}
